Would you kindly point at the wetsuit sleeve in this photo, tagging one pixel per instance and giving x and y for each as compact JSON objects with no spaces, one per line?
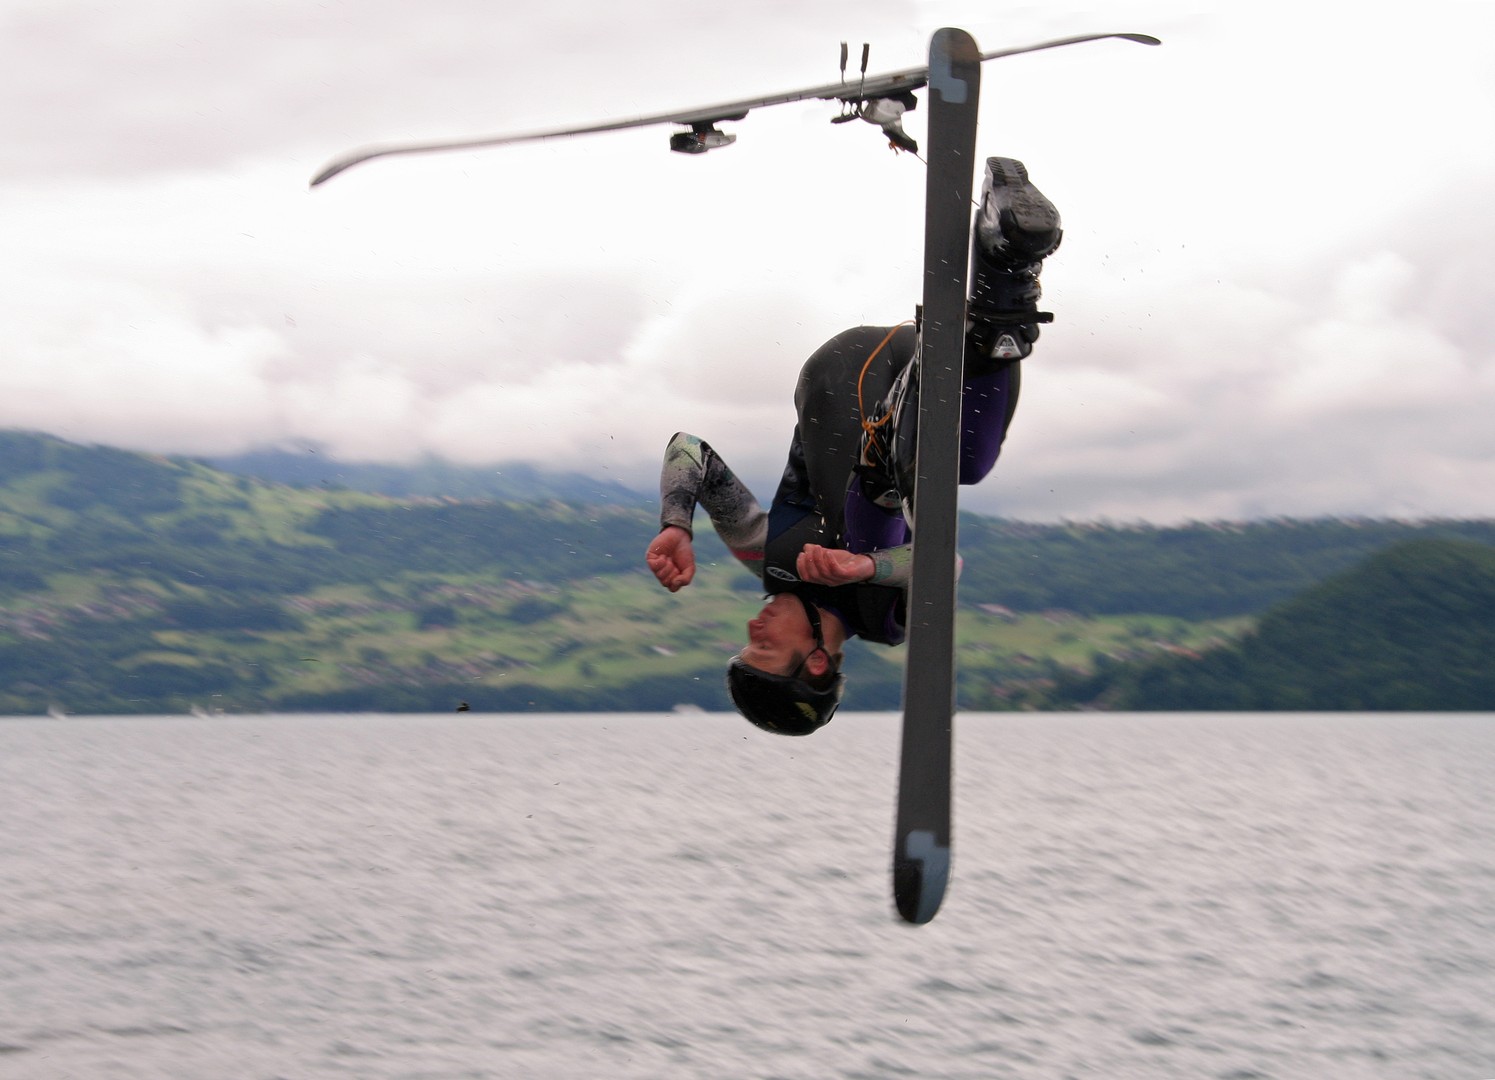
{"x":692,"y":474}
{"x":892,"y":566}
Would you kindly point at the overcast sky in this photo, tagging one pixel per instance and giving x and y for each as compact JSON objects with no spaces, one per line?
{"x":1276,"y":293}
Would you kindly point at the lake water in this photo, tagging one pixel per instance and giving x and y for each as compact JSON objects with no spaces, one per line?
{"x":681,"y":896}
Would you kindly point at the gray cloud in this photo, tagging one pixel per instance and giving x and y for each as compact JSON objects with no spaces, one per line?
{"x":1273,"y":296}
{"x":99,"y":89}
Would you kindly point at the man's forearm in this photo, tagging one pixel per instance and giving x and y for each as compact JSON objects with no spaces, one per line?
{"x":694,"y":473}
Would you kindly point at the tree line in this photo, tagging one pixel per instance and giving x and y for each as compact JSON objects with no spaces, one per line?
{"x":217,"y":565}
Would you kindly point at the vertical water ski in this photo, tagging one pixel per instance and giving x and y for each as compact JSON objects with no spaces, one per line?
{"x":921,"y":854}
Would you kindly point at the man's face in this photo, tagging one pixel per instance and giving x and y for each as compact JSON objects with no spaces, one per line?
{"x":779,"y":637}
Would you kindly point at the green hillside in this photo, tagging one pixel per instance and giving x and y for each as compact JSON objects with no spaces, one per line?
{"x":137,"y":584}
{"x":131,"y":583}
{"x":1412,"y":628}
{"x":1198,"y":571}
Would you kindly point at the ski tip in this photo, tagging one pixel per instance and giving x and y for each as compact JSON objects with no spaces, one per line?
{"x":368,"y":153}
{"x":921,"y":870}
{"x":336,"y":167}
{"x":956,"y":43}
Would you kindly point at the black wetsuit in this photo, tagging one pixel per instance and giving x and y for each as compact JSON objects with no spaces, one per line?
{"x":819,"y":499}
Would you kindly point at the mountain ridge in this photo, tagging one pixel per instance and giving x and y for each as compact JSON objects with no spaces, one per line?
{"x":313,"y":467}
{"x":133,"y":582}
{"x":1410,"y":628}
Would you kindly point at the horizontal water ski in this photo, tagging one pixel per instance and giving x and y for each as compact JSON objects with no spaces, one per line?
{"x":878,"y":99}
{"x":921,"y":857}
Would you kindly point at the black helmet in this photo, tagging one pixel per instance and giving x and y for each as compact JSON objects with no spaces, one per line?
{"x":782,"y":704}
{"x":785,"y":704}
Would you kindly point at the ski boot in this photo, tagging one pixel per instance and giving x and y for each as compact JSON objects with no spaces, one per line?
{"x":1016,"y":229}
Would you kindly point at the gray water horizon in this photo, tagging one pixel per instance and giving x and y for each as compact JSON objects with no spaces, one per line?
{"x":1233,"y":896}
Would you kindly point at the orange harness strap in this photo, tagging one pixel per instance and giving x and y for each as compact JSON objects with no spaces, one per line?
{"x":869,"y":427}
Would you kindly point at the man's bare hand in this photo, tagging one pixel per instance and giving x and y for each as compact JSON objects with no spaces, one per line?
{"x":832,"y":566}
{"x":671,"y":558}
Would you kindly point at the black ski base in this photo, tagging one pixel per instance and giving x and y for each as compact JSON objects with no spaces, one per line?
{"x":921,"y":847}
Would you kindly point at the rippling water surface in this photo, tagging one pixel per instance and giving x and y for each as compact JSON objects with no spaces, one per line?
{"x":646,"y":897}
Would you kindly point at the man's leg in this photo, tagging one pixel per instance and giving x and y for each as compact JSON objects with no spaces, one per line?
{"x":1015,"y":230}
{"x":988,"y":402}
{"x":869,"y":526}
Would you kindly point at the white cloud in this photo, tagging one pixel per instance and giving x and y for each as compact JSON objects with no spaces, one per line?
{"x":1274,"y":294}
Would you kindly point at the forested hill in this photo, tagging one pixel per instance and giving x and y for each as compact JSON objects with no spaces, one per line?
{"x":1411,"y":628}
{"x":65,"y":507}
{"x":1198,"y":571}
{"x":136,"y":583}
